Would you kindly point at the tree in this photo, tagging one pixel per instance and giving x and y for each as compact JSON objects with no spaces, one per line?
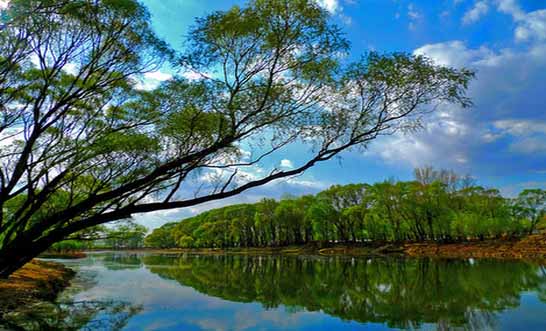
{"x":335,"y":200}
{"x":161,"y":237}
{"x":531,"y":205}
{"x":79,"y":135}
{"x":128,"y":235}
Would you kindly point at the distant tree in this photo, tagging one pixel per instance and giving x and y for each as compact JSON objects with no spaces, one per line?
{"x":81,"y":145}
{"x":162,"y":237}
{"x":265,"y":221}
{"x":531,"y":205}
{"x":126,"y":235}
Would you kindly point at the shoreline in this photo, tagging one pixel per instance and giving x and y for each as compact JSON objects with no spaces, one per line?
{"x":527,"y":248}
{"x":37,"y":282}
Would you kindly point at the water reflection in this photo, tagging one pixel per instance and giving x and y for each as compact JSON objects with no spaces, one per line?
{"x":403,"y":293}
{"x":67,"y":314}
{"x":123,"y":291}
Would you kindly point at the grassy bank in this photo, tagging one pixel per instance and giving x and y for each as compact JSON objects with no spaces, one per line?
{"x":531,"y":247}
{"x":36,"y":282}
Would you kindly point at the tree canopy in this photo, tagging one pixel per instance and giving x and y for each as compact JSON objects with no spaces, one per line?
{"x":440,"y":206}
{"x":81,"y":144}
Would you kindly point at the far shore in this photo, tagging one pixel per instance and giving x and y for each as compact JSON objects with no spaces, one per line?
{"x":532,"y":247}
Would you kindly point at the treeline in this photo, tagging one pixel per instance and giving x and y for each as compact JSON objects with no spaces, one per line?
{"x":123,"y":235}
{"x":436,"y":206}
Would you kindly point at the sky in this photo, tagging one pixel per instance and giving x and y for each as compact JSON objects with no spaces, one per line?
{"x":501,"y":140}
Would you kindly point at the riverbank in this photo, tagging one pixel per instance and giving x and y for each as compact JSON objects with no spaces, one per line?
{"x":63,"y":255}
{"x":531,"y":247}
{"x":36,"y":282}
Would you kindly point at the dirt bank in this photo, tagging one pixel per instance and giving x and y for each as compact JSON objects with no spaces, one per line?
{"x":63,"y":255}
{"x":37,"y":281}
{"x":532,"y":247}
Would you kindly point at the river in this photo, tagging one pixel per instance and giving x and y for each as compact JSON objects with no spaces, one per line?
{"x":160,"y":292}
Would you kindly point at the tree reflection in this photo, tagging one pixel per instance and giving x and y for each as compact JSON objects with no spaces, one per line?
{"x":404,"y":293}
{"x":122,"y":261}
{"x":68,"y":316}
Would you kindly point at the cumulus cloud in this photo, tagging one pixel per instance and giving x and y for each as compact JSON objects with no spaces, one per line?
{"x":151,"y":80}
{"x":510,"y":7}
{"x":532,"y":26}
{"x":473,"y":15}
{"x":332,"y":6}
{"x":193,"y":75}
{"x":529,"y":26}
{"x":287,"y":164}
{"x":157,"y":75}
{"x":335,"y":8}
{"x":507,"y":121}
{"x":4,"y":4}
{"x":453,"y":53}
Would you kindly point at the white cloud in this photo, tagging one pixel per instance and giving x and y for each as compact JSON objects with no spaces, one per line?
{"x":508,"y":103}
{"x":4,"y":4}
{"x":529,"y":145}
{"x":490,"y":137}
{"x":335,"y":8}
{"x":510,"y":7}
{"x":192,"y":75}
{"x":529,"y":26}
{"x":332,"y":6}
{"x":311,"y":184}
{"x":528,"y":137}
{"x":520,"y":127}
{"x":7,"y":137}
{"x":453,"y":53}
{"x":151,"y":80}
{"x":475,"y":13}
{"x":413,"y":13}
{"x":287,"y":164}
{"x":414,"y":16}
{"x":441,"y":143}
{"x":71,"y":68}
{"x":533,"y":26}
{"x":158,"y":75}
{"x":402,"y":148}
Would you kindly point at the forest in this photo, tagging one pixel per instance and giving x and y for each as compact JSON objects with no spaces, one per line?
{"x":438,"y":205}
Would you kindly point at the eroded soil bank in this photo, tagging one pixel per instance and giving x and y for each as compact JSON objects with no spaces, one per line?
{"x":531,"y":247}
{"x":36,"y":282}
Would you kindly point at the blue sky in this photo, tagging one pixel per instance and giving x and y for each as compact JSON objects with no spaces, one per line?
{"x":501,"y":141}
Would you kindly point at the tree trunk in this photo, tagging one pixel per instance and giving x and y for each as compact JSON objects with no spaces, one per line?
{"x":22,"y":251}
{"x":12,"y":260}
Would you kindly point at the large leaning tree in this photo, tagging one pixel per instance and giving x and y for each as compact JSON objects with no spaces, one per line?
{"x":83,"y":144}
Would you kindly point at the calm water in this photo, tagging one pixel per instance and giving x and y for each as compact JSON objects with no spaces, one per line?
{"x":152,"y":292}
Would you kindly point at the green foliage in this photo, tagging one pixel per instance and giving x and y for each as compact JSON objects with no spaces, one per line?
{"x":87,"y":145}
{"x":161,"y":237}
{"x":126,"y":235}
{"x":68,"y":246}
{"x":438,"y":207}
